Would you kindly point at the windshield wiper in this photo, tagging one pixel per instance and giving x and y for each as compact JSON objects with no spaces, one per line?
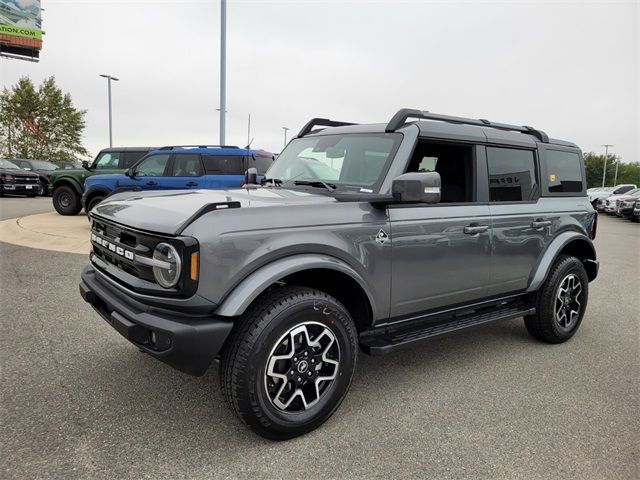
{"x":316,"y":183}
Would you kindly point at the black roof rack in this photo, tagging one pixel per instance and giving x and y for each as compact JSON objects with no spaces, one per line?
{"x":320,"y":122}
{"x":403,"y":114}
{"x":172,"y":147}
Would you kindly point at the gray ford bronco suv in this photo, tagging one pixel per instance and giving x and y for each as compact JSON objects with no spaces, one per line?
{"x":361,"y":237}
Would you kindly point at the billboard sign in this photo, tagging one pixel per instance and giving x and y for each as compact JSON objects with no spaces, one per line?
{"x":20,"y":28}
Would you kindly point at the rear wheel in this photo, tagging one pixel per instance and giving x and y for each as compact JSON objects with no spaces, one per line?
{"x":561,"y":302}
{"x":66,"y":200}
{"x":289,"y":362}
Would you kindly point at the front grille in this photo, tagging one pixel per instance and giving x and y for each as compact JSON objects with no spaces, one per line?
{"x":25,"y":180}
{"x":120,"y":253}
{"x":119,"y":247}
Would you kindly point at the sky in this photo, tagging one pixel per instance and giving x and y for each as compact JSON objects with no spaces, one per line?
{"x":568,"y":68}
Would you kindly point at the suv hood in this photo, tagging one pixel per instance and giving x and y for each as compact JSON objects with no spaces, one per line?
{"x":170,"y":211}
{"x":17,"y":172}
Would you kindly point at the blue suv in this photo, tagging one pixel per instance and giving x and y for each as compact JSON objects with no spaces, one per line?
{"x":180,"y":168}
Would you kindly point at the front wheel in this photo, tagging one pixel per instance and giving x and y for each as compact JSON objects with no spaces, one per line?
{"x":560,"y":302}
{"x":66,"y":200}
{"x":93,"y":201}
{"x":289,"y":362}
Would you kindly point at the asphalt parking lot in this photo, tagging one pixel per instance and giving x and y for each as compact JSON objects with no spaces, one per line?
{"x":78,"y":401}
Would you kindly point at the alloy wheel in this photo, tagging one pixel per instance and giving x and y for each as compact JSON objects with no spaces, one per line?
{"x":568,"y":301}
{"x":302,"y":367}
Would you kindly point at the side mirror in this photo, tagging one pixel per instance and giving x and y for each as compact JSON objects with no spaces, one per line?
{"x":85,"y":165}
{"x":130,"y":173}
{"x":417,"y":187}
{"x":251,"y":176}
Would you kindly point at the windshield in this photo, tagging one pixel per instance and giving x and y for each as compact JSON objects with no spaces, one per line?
{"x":354,"y":161}
{"x":42,"y":165}
{"x":7,"y":164}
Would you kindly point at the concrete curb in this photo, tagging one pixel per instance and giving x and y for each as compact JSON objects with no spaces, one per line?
{"x":48,"y":231}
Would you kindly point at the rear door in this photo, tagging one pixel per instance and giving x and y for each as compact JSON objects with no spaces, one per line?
{"x":521,"y":228}
{"x":224,"y":171}
{"x":186,"y":172}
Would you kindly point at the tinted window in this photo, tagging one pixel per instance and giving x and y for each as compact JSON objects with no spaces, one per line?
{"x":187,"y":165}
{"x":153,"y":166}
{"x":130,"y":158}
{"x":512,"y":174}
{"x":624,"y":189}
{"x":223,"y":165}
{"x":565,"y":174}
{"x":107,"y":160}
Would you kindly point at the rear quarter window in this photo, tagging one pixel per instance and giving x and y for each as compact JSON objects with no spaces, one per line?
{"x":564,"y":172}
{"x":223,"y":165}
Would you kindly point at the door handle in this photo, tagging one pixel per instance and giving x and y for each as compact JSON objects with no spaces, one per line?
{"x":192,"y":184}
{"x":540,"y":223}
{"x":474,"y":229}
{"x":152,"y":183}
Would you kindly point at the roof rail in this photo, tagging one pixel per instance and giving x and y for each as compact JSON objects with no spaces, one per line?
{"x":172,"y":147}
{"x":320,"y":122}
{"x":403,"y":114}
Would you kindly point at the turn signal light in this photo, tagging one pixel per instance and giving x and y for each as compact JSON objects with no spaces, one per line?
{"x":193,"y":273}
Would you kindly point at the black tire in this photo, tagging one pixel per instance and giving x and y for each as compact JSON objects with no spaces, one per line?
{"x":253,"y":342}
{"x":93,"y":201}
{"x":66,"y":200}
{"x":545,"y":324}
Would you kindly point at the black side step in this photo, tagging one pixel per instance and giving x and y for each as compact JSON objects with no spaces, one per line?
{"x":387,"y":341}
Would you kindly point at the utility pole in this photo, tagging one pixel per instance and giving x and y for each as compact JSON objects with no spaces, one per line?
{"x":606,"y":154}
{"x":249,"y":132}
{"x":285,"y":135}
{"x":223,"y":67}
{"x":109,"y":79}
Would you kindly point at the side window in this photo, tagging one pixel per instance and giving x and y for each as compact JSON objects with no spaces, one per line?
{"x":565,"y":174}
{"x":152,"y":166}
{"x":223,"y":165}
{"x":187,"y":165}
{"x":625,"y":189}
{"x":131,"y":158}
{"x":512,"y":174}
{"x":454,"y":163}
{"x":108,"y":160}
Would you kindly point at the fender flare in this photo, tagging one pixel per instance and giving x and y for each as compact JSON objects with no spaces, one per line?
{"x":237,"y":301}
{"x":58,"y":182}
{"x":544,"y":265}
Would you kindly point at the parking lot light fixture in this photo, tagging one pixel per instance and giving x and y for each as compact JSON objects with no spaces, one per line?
{"x":606,"y":154}
{"x":109,"y":79}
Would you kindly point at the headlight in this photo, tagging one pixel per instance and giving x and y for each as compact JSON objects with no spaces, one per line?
{"x":8,"y":177}
{"x":167,"y":271}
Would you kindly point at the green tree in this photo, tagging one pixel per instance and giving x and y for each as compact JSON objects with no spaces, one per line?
{"x":594,"y":164}
{"x":40,"y":123}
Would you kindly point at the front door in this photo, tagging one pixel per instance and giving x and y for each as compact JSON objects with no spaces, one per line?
{"x":441,"y":253}
{"x":148,"y":174}
{"x":441,"y":256}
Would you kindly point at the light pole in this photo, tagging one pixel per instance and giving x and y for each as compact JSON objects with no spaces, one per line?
{"x":223,"y":67}
{"x":606,"y":154}
{"x":615,"y":178}
{"x":109,"y":79}
{"x":285,"y":135}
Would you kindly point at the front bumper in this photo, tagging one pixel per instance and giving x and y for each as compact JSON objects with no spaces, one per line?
{"x":187,"y":343}
{"x":21,"y":189}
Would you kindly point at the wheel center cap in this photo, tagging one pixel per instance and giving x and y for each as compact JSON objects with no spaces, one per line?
{"x":303,"y":366}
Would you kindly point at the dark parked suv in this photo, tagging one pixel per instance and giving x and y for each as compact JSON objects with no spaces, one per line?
{"x":67,"y":183}
{"x":370,"y":237}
